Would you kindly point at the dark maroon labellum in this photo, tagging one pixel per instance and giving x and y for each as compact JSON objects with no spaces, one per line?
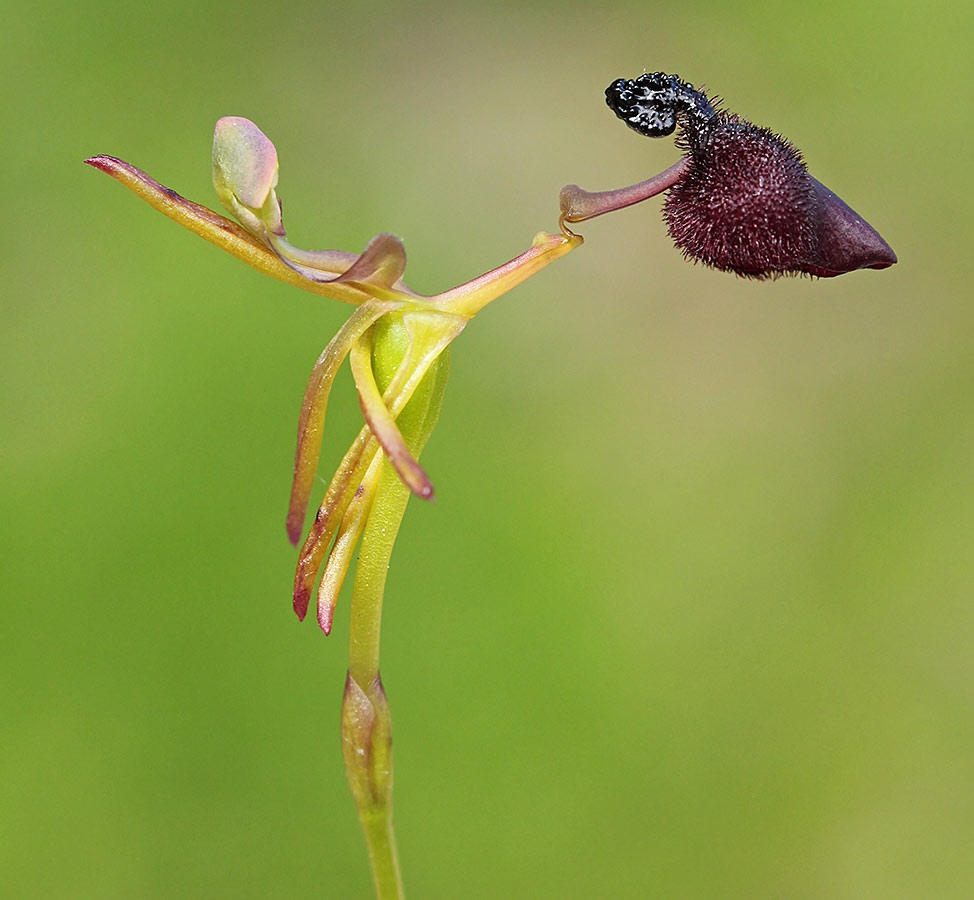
{"x":747,"y":203}
{"x":846,"y":241}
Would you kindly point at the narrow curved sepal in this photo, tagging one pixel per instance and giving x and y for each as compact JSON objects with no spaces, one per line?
{"x":311,"y":422}
{"x":222,"y":232}
{"x":339,"y":495}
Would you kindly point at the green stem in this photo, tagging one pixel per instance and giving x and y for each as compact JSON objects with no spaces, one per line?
{"x":366,"y":719}
{"x":381,"y":839}
{"x":375,"y":552}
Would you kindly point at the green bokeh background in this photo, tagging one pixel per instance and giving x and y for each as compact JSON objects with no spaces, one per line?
{"x":692,"y":614}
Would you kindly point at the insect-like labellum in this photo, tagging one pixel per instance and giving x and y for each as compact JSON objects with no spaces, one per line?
{"x":746,"y":203}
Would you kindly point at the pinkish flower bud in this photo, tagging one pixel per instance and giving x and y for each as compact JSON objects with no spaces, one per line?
{"x":746,"y":203}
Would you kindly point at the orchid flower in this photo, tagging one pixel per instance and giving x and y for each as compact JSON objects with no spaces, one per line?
{"x":740,"y":200}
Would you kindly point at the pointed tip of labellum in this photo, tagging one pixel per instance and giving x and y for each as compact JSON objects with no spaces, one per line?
{"x":846,"y":240}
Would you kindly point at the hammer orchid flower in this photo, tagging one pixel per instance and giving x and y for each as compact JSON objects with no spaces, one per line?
{"x":740,"y":200}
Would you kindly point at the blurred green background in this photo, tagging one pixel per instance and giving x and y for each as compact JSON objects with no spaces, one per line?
{"x":691,"y":616}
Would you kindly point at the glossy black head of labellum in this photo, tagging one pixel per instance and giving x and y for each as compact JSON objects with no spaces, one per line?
{"x":651,"y":103}
{"x":747,"y":203}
